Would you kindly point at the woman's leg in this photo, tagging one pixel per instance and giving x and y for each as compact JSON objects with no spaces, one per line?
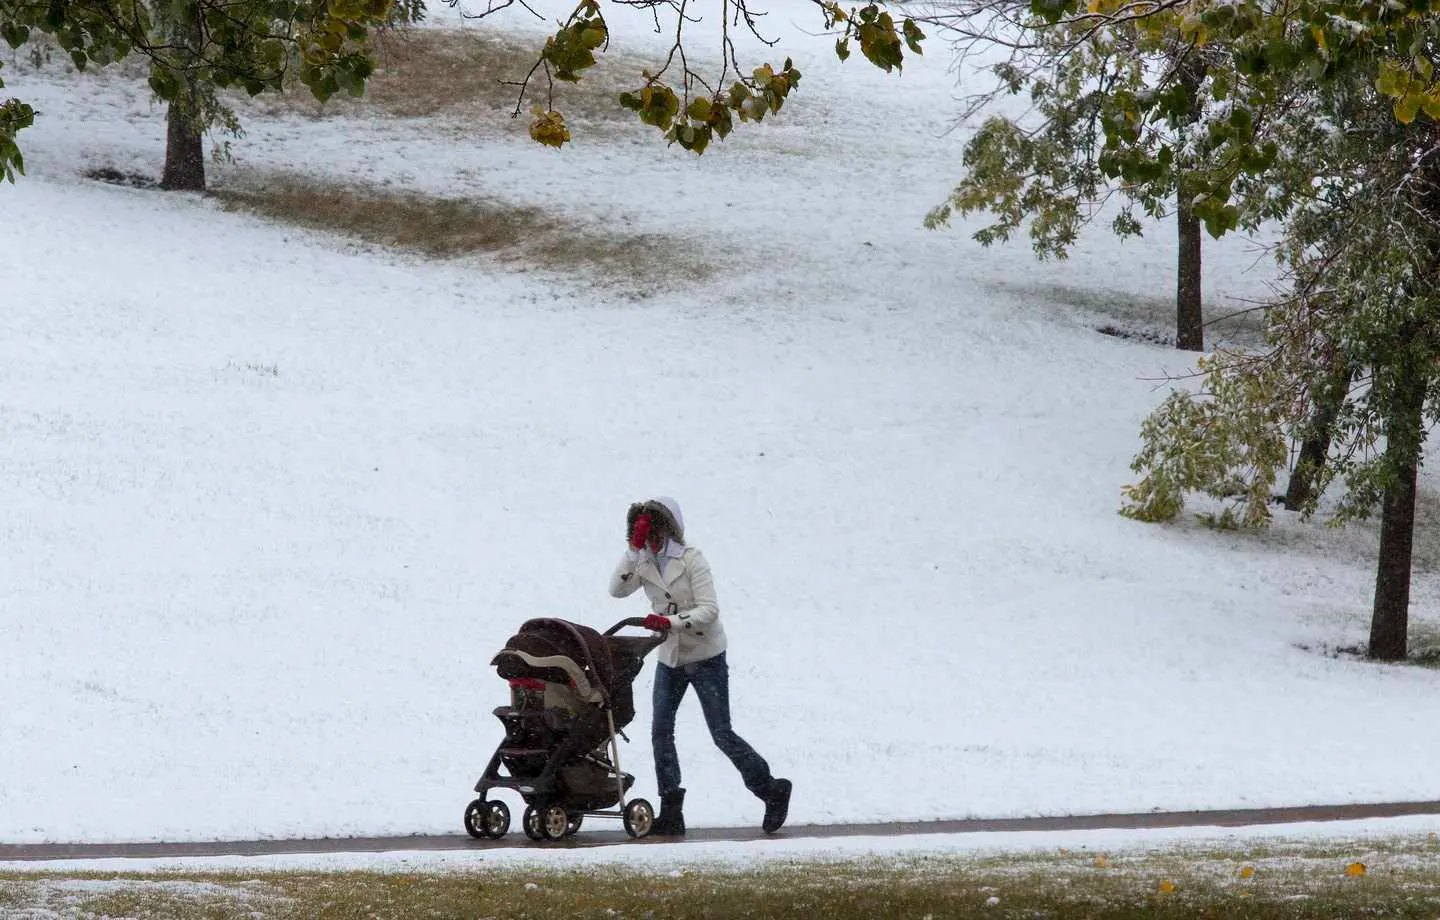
{"x":670,"y":686}
{"x":711,"y":678}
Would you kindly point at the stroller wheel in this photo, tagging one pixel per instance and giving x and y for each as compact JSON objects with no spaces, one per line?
{"x":639,"y":818}
{"x":487,"y":819}
{"x":530,"y":821}
{"x":572,"y":826}
{"x":553,"y":822}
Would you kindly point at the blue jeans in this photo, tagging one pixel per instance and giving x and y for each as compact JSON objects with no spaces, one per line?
{"x":711,"y":679}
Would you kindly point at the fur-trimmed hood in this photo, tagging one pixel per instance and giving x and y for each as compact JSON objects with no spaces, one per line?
{"x":664,"y":509}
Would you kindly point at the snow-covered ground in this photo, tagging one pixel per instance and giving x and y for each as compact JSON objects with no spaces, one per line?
{"x":273,"y":499}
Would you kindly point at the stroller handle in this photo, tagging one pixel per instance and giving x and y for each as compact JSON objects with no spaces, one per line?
{"x":628,"y":621}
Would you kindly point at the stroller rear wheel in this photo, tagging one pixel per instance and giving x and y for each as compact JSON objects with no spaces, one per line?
{"x":639,"y":817}
{"x":487,"y":819}
{"x":553,"y":822}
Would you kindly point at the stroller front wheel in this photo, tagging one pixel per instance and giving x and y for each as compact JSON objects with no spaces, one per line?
{"x":487,"y":819}
{"x":530,"y":821}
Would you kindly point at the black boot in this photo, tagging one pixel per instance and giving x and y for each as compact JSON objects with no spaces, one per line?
{"x":671,"y":820}
{"x":777,"y":805}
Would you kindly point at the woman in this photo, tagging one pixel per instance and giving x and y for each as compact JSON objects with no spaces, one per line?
{"x":677,"y":581}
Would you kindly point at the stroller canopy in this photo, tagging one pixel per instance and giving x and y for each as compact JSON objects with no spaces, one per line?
{"x":561,"y":652}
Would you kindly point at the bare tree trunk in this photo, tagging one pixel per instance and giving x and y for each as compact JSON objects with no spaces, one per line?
{"x":1404,"y":431}
{"x":1314,"y":450}
{"x":184,"y":121}
{"x":184,"y":144}
{"x":1189,"y":318}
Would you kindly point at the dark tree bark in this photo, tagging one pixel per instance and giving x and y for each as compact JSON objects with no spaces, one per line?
{"x":1189,"y":318}
{"x":184,"y":144}
{"x":1404,"y":431}
{"x":1329,"y":400}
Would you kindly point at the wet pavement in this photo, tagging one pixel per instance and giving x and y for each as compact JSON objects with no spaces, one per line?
{"x":600,"y":832}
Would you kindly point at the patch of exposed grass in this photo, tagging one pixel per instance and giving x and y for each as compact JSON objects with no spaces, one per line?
{"x":1400,"y":879}
{"x":97,"y":896}
{"x":118,"y":177}
{"x":466,"y":74}
{"x":522,"y":238}
{"x":1146,"y":319}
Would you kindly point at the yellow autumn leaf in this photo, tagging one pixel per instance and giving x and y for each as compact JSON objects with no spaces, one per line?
{"x":1355,"y":869}
{"x":1167,"y":887}
{"x":1319,"y":35}
{"x":548,"y":128}
{"x":1247,"y":872}
{"x":1406,"y":108}
{"x":1101,"y":861}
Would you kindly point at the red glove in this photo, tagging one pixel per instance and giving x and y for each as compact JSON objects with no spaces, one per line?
{"x":656,"y":622}
{"x":640,"y":532}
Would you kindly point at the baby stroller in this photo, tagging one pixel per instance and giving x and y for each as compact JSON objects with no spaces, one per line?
{"x":570,"y":696}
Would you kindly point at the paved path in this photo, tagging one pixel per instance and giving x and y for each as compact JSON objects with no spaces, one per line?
{"x":601,"y":832}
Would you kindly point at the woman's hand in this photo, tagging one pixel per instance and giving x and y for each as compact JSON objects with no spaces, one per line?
{"x":640,"y":532}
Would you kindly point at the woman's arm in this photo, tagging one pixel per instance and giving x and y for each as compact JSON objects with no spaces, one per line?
{"x":623,"y":582}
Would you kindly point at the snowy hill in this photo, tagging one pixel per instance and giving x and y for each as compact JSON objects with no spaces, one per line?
{"x":274,"y":497}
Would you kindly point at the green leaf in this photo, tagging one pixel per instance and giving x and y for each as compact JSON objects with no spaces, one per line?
{"x":14,"y":34}
{"x":722,"y":123}
{"x":164,"y":84}
{"x":842,"y":48}
{"x":699,"y":109}
{"x":913,"y":36}
{"x":1220,"y":87}
{"x":1386,"y":81}
{"x":272,"y":52}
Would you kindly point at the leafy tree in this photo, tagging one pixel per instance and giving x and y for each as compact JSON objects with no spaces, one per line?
{"x":187,"y":28}
{"x":1114,"y":104}
{"x":1318,"y":113}
{"x":1354,"y":350}
{"x":197,"y":46}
